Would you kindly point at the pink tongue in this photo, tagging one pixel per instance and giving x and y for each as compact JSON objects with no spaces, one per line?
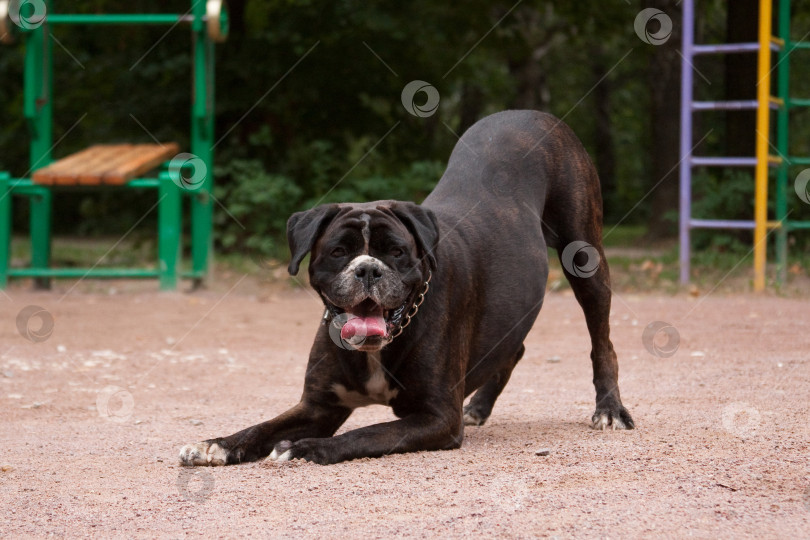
{"x":363,"y":327}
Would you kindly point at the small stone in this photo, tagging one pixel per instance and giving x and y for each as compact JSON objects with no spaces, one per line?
{"x":542,"y":452}
{"x":5,"y":467}
{"x":554,"y":360}
{"x":61,"y":348}
{"x":34,"y":405}
{"x":8,"y":374}
{"x":196,"y":422}
{"x":170,"y":341}
{"x":697,"y":354}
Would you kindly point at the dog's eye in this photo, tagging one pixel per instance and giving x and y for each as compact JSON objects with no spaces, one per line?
{"x":396,"y":252}
{"x":338,"y":252}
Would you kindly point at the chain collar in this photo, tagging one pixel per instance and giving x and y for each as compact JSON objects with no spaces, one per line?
{"x":414,"y":308}
{"x":330,"y":313}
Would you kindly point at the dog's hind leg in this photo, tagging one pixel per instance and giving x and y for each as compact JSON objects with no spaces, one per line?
{"x":480,"y":406}
{"x":585,"y":266}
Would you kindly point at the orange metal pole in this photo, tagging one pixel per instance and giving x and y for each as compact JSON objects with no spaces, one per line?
{"x":763,"y":135}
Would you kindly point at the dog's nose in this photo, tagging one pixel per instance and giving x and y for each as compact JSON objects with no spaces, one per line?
{"x":368,"y":273}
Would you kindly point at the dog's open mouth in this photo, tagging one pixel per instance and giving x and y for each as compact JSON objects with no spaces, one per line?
{"x":367,"y":321}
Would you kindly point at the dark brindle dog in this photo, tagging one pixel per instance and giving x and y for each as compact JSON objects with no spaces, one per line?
{"x":427,"y":304}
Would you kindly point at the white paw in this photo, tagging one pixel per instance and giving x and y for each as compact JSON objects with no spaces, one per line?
{"x":275,"y":456}
{"x":203,"y":453}
{"x":602,"y":422}
{"x":472,"y":419}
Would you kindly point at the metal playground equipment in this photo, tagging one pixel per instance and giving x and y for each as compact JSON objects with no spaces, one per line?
{"x":113,"y":166}
{"x":782,"y":161}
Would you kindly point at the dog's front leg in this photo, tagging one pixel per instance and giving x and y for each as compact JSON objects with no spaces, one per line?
{"x":415,"y":432}
{"x":303,"y":420}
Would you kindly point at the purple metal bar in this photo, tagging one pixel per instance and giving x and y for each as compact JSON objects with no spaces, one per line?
{"x":701,"y":161}
{"x":687,"y":76}
{"x":727,"y":48}
{"x":728,"y":105}
{"x":721,"y":224}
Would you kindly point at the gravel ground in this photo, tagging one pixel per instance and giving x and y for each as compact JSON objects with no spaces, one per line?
{"x":93,"y":416}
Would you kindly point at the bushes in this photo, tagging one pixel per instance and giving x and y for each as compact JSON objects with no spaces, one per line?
{"x":254,"y":204}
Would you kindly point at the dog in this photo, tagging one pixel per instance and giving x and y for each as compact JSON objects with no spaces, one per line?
{"x":426,"y":304}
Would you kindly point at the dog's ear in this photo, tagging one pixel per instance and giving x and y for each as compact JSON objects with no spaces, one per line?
{"x":304,"y":228}
{"x":423,"y":225}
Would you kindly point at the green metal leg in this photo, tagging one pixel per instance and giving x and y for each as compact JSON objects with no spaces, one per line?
{"x":41,"y":235}
{"x":5,"y":229}
{"x":782,"y":142}
{"x":169,"y":223}
{"x":201,"y":224}
{"x":202,"y":146}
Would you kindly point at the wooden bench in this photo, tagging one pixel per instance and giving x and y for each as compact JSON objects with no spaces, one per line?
{"x":105,"y":164}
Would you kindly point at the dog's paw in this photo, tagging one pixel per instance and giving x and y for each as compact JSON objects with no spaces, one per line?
{"x":203,"y":453}
{"x":473,"y":418}
{"x":614,"y":418}
{"x":281,"y":452}
{"x":313,"y":450}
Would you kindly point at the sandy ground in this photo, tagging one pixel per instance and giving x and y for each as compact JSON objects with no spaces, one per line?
{"x":93,"y":416}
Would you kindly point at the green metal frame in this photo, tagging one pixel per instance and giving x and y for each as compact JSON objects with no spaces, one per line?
{"x":38,"y":111}
{"x":783,"y":188}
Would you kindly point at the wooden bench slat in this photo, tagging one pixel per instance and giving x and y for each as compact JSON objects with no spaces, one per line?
{"x":47,"y":174}
{"x":149,"y":157}
{"x":95,"y":175}
{"x":112,"y":164}
{"x":95,"y":162}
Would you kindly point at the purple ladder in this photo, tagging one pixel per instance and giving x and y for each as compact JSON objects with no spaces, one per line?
{"x":689,"y":161}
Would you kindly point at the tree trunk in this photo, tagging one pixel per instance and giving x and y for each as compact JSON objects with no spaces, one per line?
{"x":664,"y":76}
{"x":604,"y":144}
{"x":472,"y":102}
{"x":741,"y":77}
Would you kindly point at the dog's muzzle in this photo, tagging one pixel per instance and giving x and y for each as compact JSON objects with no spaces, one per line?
{"x":369,"y":320}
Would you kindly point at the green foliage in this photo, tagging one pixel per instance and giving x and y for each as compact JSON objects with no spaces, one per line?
{"x":308,"y":102}
{"x":258,"y":205}
{"x":724,"y":194}
{"x":259,"y":202}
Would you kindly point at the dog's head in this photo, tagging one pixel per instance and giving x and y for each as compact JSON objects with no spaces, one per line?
{"x":369,"y":262}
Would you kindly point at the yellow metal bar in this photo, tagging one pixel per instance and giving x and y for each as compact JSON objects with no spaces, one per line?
{"x":763,"y":133}
{"x":779,"y":102}
{"x":774,"y":160}
{"x":774,"y":224}
{"x":779,"y":42}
